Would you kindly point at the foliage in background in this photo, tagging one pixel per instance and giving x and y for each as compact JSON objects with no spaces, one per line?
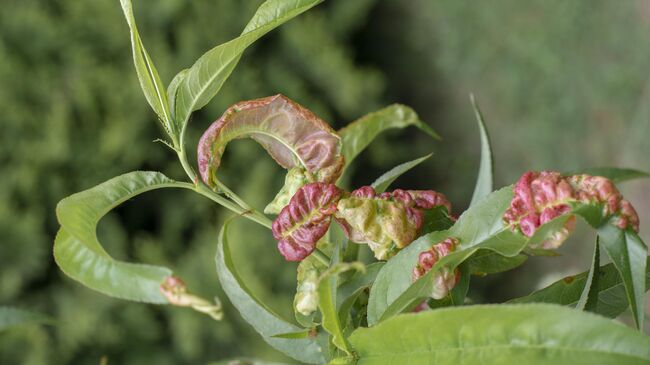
{"x":59,"y":116}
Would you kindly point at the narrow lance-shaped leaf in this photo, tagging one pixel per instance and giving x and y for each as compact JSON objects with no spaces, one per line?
{"x":533,"y":334}
{"x":13,"y":317}
{"x":589,"y":297}
{"x":152,"y":86}
{"x":383,"y":182}
{"x":484,"y":181}
{"x":296,"y":139}
{"x":263,"y":319}
{"x":357,"y":135}
{"x":80,"y":255}
{"x":612,"y":299}
{"x":204,"y":79}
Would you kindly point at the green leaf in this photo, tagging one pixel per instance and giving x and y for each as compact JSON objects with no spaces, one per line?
{"x":357,"y":135}
{"x":245,"y":361}
{"x":489,"y":262}
{"x":383,"y":182}
{"x":204,"y":79}
{"x":172,"y":91}
{"x":263,"y":319}
{"x":350,"y":290}
{"x":327,"y":289}
{"x":589,"y":297}
{"x":480,"y":227}
{"x":13,"y":317}
{"x":628,"y":254}
{"x":80,"y":255}
{"x":485,"y":180}
{"x":152,"y":86}
{"x":612,"y":299}
{"x":613,"y":173}
{"x":534,"y":334}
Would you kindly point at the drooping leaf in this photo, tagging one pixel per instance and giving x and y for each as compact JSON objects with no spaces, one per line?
{"x":152,"y":87}
{"x":291,"y":134}
{"x":357,"y":135}
{"x":533,"y":334}
{"x":628,"y":254}
{"x":383,"y":182}
{"x":613,"y":173}
{"x":589,"y":298}
{"x":612,"y":299}
{"x":484,"y":180}
{"x":80,"y":255}
{"x":204,"y":79}
{"x":13,"y":317}
{"x":263,"y":319}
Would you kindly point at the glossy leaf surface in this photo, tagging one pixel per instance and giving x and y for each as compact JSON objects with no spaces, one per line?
{"x":533,"y":334}
{"x":80,"y":255}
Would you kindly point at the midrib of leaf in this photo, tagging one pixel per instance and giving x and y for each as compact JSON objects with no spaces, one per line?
{"x":167,"y":120}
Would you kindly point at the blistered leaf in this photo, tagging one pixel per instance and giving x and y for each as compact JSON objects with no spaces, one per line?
{"x":615,"y":174}
{"x":152,"y":86}
{"x":80,"y":255}
{"x":305,"y":220}
{"x":291,"y":134}
{"x":296,"y":178}
{"x":206,"y":76}
{"x":444,"y":279}
{"x":359,"y":134}
{"x":500,"y":335}
{"x":386,"y":222}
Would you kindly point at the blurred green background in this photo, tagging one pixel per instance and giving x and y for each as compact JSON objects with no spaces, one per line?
{"x":562,"y":85}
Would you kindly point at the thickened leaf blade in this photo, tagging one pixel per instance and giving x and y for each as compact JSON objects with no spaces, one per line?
{"x":383,"y":182}
{"x":357,"y":135}
{"x":263,"y":319}
{"x":152,"y":87}
{"x":80,"y":255}
{"x":612,"y":299}
{"x":533,"y":334}
{"x":205,"y":78}
{"x":485,"y":180}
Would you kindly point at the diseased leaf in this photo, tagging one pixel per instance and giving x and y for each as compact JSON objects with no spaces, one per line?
{"x":204,"y":79}
{"x":357,"y":135}
{"x":263,"y":319}
{"x":295,"y":137}
{"x":484,"y":181}
{"x":13,"y":317}
{"x":305,"y":220}
{"x":383,"y":182}
{"x":533,"y":334}
{"x":80,"y":255}
{"x":612,"y":299}
{"x":613,"y":173}
{"x":152,"y":87}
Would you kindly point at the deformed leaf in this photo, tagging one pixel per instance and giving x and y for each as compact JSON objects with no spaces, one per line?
{"x":615,"y":174}
{"x":532,"y":334}
{"x":357,"y":135}
{"x":291,"y":134}
{"x":305,"y":220}
{"x":80,"y":255}
{"x":267,"y":323}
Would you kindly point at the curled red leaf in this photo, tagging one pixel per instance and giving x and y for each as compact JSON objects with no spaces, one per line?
{"x":305,"y":220}
{"x":444,"y":279}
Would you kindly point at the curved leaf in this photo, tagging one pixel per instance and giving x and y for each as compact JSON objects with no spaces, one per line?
{"x":612,"y":299}
{"x":204,"y":79}
{"x":533,"y":334}
{"x":152,"y":86}
{"x":484,"y":181}
{"x":11,"y":317}
{"x":263,"y":319}
{"x":291,"y":134}
{"x":383,"y":182}
{"x":357,"y":135}
{"x":589,"y":297}
{"x":615,"y":174}
{"x":80,"y":255}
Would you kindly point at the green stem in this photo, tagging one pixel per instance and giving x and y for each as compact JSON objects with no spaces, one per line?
{"x":321,"y":257}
